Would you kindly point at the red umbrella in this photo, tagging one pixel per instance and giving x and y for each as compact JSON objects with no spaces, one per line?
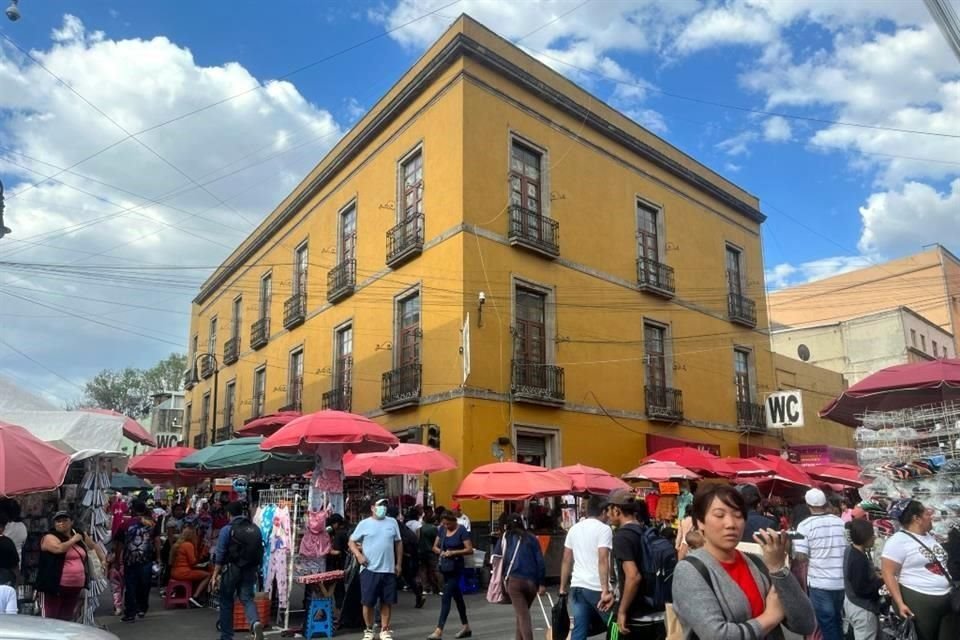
{"x":512,"y":481}
{"x":405,"y":458}
{"x":693,"y":458}
{"x":591,"y":480}
{"x":748,"y":467}
{"x":28,"y":464}
{"x":267,"y":425}
{"x":898,"y":387}
{"x":660,"y":472}
{"x":306,"y":433}
{"x":159,"y":464}
{"x":131,"y":428}
{"x":786,"y":471}
{"x":845,"y":474}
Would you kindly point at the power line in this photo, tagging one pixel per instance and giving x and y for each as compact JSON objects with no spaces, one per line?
{"x":40,"y":364}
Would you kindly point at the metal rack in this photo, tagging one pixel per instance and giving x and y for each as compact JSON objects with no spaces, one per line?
{"x":290,"y":499}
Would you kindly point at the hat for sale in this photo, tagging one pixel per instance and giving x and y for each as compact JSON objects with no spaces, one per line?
{"x":815,"y":498}
{"x":620,"y":497}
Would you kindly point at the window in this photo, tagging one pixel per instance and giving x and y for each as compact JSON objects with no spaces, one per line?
{"x":259,"y":391}
{"x":655,"y":355}
{"x":266,"y":293}
{"x":212,"y":340}
{"x":532,"y":450}
{"x":194,"y":348}
{"x":741,"y":368}
{"x":300,"y":262}
{"x":525,"y":178}
{"x":913,"y":337}
{"x":408,"y":330}
{"x":347,"y":240}
{"x":343,"y":357}
{"x":204,"y":413}
{"x":295,"y":382}
{"x":647,"y":234}
{"x":237,"y":317}
{"x":935,"y":349}
{"x":229,"y":403}
{"x":412,"y":172}
{"x":187,"y":420}
{"x":531,"y":326}
{"x":923,"y":343}
{"x":944,"y":352}
{"x":734,"y":271}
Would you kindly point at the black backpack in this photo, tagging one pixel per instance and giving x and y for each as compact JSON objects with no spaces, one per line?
{"x":246,"y":544}
{"x":657,"y":563}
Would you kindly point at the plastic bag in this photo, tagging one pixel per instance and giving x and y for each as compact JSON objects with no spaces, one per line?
{"x":905,"y":630}
{"x":560,"y":619}
{"x":613,"y":630}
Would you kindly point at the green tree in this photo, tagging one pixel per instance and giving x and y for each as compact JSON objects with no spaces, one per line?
{"x":166,"y":375}
{"x":128,"y":390}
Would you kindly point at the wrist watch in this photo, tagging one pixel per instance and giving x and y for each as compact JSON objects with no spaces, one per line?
{"x":782,"y":572}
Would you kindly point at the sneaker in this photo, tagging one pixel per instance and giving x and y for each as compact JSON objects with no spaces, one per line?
{"x":196,"y":603}
{"x":118,"y":612}
{"x":128,"y":619}
{"x":141,"y":614}
{"x":368,"y":634}
{"x":257,"y":630}
{"x":386,"y":634}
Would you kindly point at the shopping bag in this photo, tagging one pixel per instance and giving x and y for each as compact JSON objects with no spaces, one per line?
{"x":496,"y":591}
{"x":905,"y":630}
{"x":613,"y":629}
{"x":560,"y":619}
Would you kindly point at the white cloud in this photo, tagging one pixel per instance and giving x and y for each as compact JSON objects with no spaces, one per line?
{"x":785,"y":274}
{"x":726,"y":25}
{"x":777,"y":129}
{"x":737,"y":145}
{"x":732,"y":167}
{"x":904,"y":220}
{"x":355,"y":110}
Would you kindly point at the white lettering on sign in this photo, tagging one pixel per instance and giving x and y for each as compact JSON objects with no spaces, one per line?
{"x":784,"y":409}
{"x":167,"y":440}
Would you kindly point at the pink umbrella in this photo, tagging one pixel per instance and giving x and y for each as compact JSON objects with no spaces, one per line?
{"x":660,"y":472}
{"x":748,"y":467}
{"x":785,"y":470}
{"x":694,"y":459}
{"x":159,"y":464}
{"x":512,"y":481}
{"x":131,"y":428}
{"x":405,"y":458}
{"x":28,"y":464}
{"x":306,"y":433}
{"x":591,"y":480}
{"x":268,"y":425}
{"x":844,"y":474}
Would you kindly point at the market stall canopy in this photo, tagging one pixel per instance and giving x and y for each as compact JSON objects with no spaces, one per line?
{"x":845,"y":474}
{"x":131,"y":428}
{"x":28,"y":464}
{"x":660,"y":472}
{"x":898,"y":387}
{"x":748,"y":467}
{"x":693,"y":459}
{"x":127,"y":482}
{"x":591,"y":480}
{"x":404,"y":459}
{"x":785,"y":471}
{"x":268,"y":425}
{"x":243,"y":455}
{"x":323,"y":428}
{"x":512,"y":481}
{"x":159,"y":465}
{"x":78,"y":433}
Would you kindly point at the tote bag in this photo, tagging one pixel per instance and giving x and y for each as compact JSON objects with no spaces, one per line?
{"x":497,"y":590}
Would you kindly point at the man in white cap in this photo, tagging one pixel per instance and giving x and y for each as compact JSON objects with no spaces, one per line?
{"x":823,"y":545}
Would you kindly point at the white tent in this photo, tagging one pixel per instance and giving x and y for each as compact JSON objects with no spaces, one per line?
{"x":78,"y":433}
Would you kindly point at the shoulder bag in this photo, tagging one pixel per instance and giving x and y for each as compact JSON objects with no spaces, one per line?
{"x":497,"y":589}
{"x":954,"y":586}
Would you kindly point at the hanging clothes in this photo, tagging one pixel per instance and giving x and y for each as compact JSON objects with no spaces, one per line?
{"x":263,"y":518}
{"x":280,"y":549}
{"x":316,"y":540}
{"x":684,"y":503}
{"x":666,"y":509}
{"x":652,"y":499}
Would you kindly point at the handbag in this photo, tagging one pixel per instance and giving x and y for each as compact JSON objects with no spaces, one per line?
{"x":497,"y":589}
{"x":954,"y":586}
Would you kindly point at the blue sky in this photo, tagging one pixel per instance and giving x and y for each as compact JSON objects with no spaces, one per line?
{"x":836,"y":196}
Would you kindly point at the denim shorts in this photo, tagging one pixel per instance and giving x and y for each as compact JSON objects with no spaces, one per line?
{"x":377,"y":587}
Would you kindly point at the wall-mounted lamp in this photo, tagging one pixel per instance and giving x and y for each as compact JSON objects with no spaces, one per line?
{"x":481,"y":299}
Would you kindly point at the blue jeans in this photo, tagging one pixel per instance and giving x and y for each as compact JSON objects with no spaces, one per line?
{"x":828,"y":605}
{"x":236,"y":583}
{"x":136,"y":583}
{"x":583,"y":603}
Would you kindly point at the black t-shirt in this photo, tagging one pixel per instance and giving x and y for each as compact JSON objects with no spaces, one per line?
{"x":339,"y":543}
{"x":9,"y":559}
{"x":626,"y":548}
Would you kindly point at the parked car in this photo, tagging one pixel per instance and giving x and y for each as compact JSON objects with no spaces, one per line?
{"x":34,"y":628}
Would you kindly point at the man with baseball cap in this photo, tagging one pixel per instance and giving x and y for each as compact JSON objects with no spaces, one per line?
{"x":377,"y":545}
{"x":823,"y":545}
{"x":462,"y":519}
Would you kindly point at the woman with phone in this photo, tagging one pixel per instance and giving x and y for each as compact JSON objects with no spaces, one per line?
{"x":62,"y":572}
{"x":184,"y":565}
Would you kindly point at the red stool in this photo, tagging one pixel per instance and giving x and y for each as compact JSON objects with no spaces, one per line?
{"x":171,"y":600}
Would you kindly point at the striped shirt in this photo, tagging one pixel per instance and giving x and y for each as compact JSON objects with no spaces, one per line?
{"x":824,"y":543}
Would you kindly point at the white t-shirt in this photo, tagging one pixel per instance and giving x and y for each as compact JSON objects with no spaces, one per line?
{"x":16,"y":531}
{"x":464,"y":522}
{"x":919,"y":570}
{"x":824,"y":544}
{"x":8,"y":600}
{"x":585,"y":539}
{"x":414,"y":525}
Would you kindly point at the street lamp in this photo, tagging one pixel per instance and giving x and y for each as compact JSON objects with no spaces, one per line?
{"x":195,"y":379}
{"x":3,"y":230}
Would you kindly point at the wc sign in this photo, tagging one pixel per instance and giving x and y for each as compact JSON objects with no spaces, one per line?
{"x":784,"y":409}
{"x":167,"y":440}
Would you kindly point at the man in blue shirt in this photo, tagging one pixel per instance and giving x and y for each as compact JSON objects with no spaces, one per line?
{"x":237,"y":560}
{"x":377,"y":546}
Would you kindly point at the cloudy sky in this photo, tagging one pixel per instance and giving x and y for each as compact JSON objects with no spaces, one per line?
{"x":139,"y":142}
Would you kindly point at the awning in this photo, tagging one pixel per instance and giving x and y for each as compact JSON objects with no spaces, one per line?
{"x":78,"y":433}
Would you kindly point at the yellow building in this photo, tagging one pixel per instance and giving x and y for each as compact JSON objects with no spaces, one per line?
{"x":494,"y":258}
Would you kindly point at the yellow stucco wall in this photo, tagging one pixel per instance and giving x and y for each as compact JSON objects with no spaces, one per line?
{"x":819,"y":386}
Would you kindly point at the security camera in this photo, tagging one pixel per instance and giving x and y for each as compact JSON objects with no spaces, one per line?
{"x":482,"y":297}
{"x":12,"y":11}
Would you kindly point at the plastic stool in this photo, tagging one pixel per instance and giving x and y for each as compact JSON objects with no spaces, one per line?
{"x":319,"y":618}
{"x":171,"y":600}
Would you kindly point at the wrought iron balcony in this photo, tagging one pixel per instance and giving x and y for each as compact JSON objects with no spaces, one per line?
{"x":742,"y":310}
{"x":655,"y":277}
{"x":200,"y":441}
{"x":338,"y":399}
{"x":536,"y":382}
{"x":750,"y":417}
{"x":531,"y":230}
{"x":341,"y":280}
{"x":664,"y":403}
{"x":188,"y":378}
{"x":260,"y":333}
{"x":224,"y":433}
{"x":231,"y":350}
{"x":294,"y":310}
{"x":401,"y":387}
{"x":207,"y":367}
{"x":405,"y":241}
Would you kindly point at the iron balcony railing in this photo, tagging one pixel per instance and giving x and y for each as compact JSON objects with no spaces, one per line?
{"x":664,"y":403}
{"x":295,"y":310}
{"x":224,"y":433}
{"x":750,"y":416}
{"x":338,"y":399}
{"x":405,"y":241}
{"x":534,"y":231}
{"x":401,"y":386}
{"x":341,"y":280}
{"x":742,"y":310}
{"x":655,"y":277}
{"x":260,"y":333}
{"x":231,"y":350}
{"x":207,"y":367}
{"x":537,"y":382}
{"x":200,"y":441}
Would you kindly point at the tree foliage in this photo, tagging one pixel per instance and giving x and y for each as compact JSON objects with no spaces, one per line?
{"x":128,"y":390}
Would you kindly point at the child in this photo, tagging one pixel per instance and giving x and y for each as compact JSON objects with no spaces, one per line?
{"x":694,"y":539}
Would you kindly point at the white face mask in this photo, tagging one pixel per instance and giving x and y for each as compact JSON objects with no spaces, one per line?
{"x":380,"y":512}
